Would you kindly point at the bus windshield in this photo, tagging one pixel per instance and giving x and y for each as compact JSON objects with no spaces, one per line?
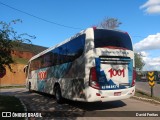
{"x":112,"y":39}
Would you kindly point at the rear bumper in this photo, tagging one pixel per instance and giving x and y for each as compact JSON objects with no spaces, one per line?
{"x":94,"y":95}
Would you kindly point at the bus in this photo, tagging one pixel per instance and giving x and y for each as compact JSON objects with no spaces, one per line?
{"x":93,"y":65}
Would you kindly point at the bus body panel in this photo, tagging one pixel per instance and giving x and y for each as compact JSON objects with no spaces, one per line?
{"x":117,"y":66}
{"x":114,"y":69}
{"x":94,"y":95}
{"x":122,"y":85}
{"x":67,"y":75}
{"x":72,"y":84}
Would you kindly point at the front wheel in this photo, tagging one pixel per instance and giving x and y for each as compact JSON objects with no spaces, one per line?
{"x":58,"y":95}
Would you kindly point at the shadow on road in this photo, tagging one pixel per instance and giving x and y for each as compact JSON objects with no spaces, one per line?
{"x":46,"y":104}
{"x":90,"y":106}
{"x":48,"y":100}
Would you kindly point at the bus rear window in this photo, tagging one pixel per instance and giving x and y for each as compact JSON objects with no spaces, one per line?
{"x":111,"y":38}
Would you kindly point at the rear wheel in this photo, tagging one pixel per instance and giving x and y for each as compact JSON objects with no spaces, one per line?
{"x":58,"y":95}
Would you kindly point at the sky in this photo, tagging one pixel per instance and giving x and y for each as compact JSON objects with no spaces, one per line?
{"x":53,"y":21}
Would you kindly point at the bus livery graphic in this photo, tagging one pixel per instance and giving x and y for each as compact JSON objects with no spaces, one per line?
{"x":42,"y":75}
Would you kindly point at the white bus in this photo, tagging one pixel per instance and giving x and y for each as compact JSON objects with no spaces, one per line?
{"x":94,"y":65}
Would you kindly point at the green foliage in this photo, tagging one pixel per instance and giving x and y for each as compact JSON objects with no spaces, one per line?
{"x":20,"y":60}
{"x":139,"y":63}
{"x":8,"y":39}
{"x":5,"y":48}
{"x":29,"y":48}
{"x":142,"y":94}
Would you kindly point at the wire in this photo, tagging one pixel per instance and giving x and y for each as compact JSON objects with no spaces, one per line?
{"x":138,"y":36}
{"x":39,"y":17}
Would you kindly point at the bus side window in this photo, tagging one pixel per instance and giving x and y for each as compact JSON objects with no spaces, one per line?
{"x":76,"y":48}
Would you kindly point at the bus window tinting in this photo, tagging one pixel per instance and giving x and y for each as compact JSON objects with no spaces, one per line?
{"x":67,"y":52}
{"x":106,"y":38}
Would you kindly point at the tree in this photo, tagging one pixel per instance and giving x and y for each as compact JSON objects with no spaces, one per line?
{"x":8,"y":39}
{"x":113,"y":23}
{"x":110,"y":23}
{"x":139,"y":63}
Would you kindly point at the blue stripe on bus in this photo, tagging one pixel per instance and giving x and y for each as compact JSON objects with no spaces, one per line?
{"x":58,"y":71}
{"x":102,"y":78}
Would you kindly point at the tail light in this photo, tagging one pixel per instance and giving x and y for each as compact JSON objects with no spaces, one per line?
{"x":93,"y":78}
{"x":134,"y":78}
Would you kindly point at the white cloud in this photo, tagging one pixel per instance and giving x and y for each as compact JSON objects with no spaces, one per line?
{"x":144,"y":53}
{"x":151,"y":63}
{"x":149,"y":43}
{"x":151,"y":59}
{"x":151,"y":7}
{"x":150,"y":3}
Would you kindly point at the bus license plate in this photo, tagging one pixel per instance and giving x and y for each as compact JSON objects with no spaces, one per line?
{"x":117,"y":93}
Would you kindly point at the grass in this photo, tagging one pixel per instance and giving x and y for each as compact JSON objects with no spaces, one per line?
{"x":8,"y":87}
{"x":20,"y":60}
{"x":142,"y":94}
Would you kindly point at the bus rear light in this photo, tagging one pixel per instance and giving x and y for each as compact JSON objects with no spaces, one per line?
{"x":94,"y":85}
{"x":98,"y":94}
{"x":134,"y":78}
{"x":93,"y":74}
{"x":93,"y":78}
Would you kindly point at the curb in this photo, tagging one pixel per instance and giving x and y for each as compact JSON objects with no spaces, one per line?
{"x":146,"y":99}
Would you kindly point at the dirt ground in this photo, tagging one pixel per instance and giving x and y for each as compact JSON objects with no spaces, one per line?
{"x":17,"y":77}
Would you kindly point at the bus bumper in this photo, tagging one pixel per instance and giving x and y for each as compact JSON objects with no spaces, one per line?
{"x":94,"y":95}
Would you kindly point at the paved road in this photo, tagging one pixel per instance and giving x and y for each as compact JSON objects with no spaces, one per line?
{"x":144,"y":86}
{"x":40,"y":102}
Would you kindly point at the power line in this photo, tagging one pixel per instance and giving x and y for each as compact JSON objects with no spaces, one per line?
{"x":42,"y":19}
{"x":139,"y":36}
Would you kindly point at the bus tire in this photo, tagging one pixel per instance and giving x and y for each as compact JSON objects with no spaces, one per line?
{"x":58,"y":95}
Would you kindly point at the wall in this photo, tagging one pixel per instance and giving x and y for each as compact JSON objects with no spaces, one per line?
{"x":17,"y":77}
